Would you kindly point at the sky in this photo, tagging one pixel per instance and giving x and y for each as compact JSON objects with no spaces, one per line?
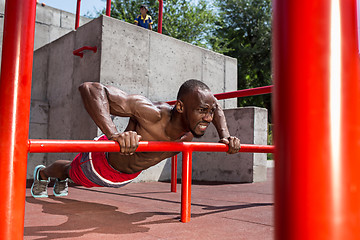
{"x":86,"y":6}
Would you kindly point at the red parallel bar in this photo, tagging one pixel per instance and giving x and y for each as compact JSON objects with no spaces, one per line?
{"x":77,"y":19}
{"x":173,"y":173}
{"x":239,"y":93}
{"x":160,"y":16}
{"x":108,"y":8}
{"x":186,"y":186}
{"x":15,"y":91}
{"x":316,"y":119}
{"x":43,"y":145}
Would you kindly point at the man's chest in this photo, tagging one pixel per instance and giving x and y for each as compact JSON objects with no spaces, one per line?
{"x":152,"y":132}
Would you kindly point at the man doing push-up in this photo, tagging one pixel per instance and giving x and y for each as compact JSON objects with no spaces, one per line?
{"x":195,"y":108}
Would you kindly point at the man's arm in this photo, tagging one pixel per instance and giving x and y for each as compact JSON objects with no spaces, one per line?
{"x":150,"y":23}
{"x":219,"y":122}
{"x":101,"y":101}
{"x":97,"y":105}
{"x":136,"y":21}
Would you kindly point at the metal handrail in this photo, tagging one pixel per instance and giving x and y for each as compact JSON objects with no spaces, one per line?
{"x":79,"y":52}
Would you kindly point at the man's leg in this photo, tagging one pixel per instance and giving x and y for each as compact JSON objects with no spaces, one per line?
{"x":59,"y":170}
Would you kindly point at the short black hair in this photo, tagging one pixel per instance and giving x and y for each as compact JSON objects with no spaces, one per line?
{"x":191,"y":85}
{"x":144,"y":6}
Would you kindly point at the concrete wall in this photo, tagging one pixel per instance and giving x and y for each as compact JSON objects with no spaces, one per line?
{"x":51,"y":23}
{"x":134,"y":59}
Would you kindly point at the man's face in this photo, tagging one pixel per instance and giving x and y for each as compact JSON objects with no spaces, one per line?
{"x":200,"y":106}
{"x":143,"y":11}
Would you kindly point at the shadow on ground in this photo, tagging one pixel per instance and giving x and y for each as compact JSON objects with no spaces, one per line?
{"x":88,"y":217}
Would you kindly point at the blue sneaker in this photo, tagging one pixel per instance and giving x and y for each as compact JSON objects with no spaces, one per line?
{"x":60,"y":187}
{"x":39,"y":187}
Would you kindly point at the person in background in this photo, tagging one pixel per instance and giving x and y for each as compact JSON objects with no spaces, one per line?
{"x":144,"y":20}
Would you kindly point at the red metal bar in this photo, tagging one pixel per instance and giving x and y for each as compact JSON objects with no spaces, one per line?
{"x":15,"y":90}
{"x":173,"y":173}
{"x":108,"y":7}
{"x":77,"y":19}
{"x":239,"y":93}
{"x":79,"y":52}
{"x":186,"y":186}
{"x":316,"y":119}
{"x":43,"y":145}
{"x":160,"y":16}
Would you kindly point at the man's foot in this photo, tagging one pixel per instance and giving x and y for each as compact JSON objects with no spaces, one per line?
{"x":61,"y":187}
{"x":39,"y":186}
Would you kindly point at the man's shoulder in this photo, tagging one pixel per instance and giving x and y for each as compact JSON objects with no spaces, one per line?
{"x":163,"y":107}
{"x":154,"y":112}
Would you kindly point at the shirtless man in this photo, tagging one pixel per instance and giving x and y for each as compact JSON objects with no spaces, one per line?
{"x":195,"y":108}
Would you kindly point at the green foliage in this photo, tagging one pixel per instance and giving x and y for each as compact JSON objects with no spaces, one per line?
{"x":245,"y":25}
{"x":182,"y":19}
{"x":187,"y":21}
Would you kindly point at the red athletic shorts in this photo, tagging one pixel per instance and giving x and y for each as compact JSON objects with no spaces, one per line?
{"x":93,"y":170}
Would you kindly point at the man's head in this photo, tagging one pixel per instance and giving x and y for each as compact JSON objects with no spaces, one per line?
{"x":189,"y":86}
{"x":197,"y":105}
{"x":144,"y":9}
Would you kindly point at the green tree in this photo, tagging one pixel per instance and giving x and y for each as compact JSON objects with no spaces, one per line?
{"x":185,"y":20}
{"x":245,"y":26}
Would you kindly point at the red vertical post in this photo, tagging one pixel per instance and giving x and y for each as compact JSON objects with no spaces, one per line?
{"x":108,"y":7}
{"x":345,"y":175}
{"x":173,"y":173}
{"x":160,"y":16}
{"x":186,"y":186}
{"x":77,"y":19}
{"x":317,"y":119}
{"x":15,"y":90}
